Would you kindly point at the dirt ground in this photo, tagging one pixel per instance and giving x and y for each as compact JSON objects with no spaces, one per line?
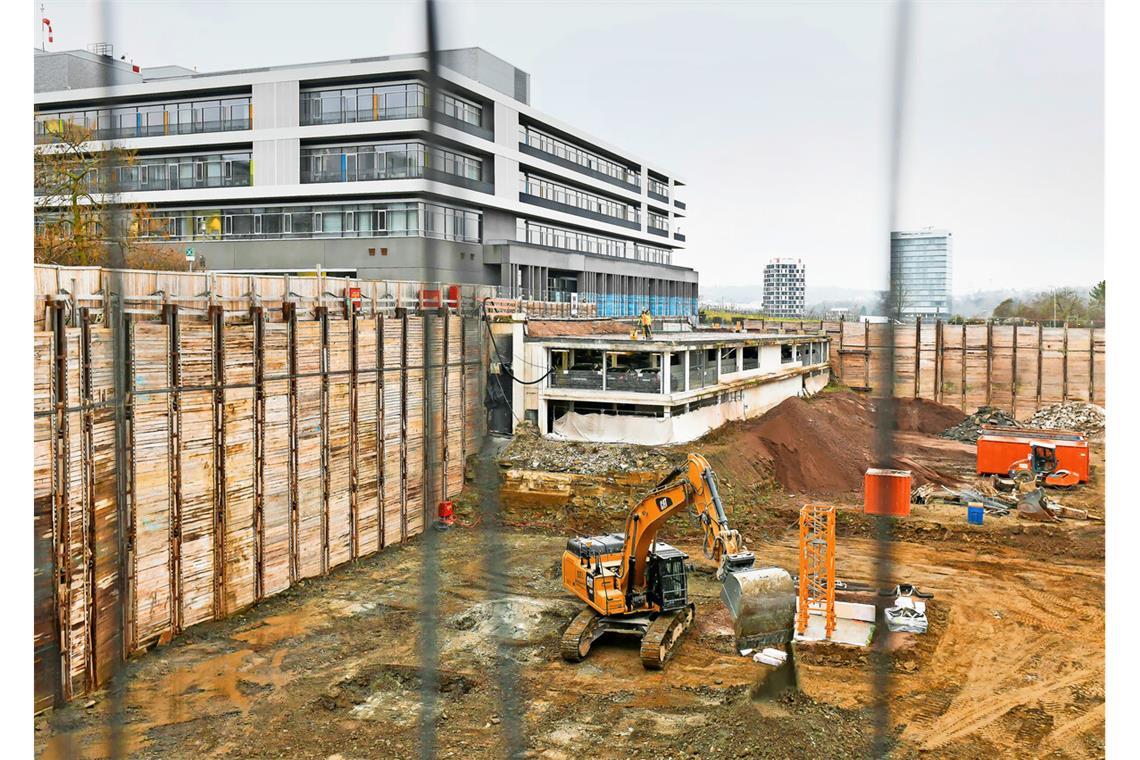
{"x":1012,"y":665}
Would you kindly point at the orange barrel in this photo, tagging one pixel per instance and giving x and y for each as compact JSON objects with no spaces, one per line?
{"x":886,"y":492}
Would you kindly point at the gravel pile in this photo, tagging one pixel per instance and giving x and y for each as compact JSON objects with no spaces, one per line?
{"x":530,"y":451}
{"x":1073,"y":415}
{"x":969,"y":429}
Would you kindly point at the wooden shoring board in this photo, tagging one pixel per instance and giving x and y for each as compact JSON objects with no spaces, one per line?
{"x":196,"y":460}
{"x":340,"y":527}
{"x":1001,"y":366}
{"x":238,"y":421}
{"x":73,"y":522}
{"x":367,"y":447}
{"x":1052,"y":365}
{"x":150,"y":484}
{"x":951,"y":371}
{"x":1079,"y":358}
{"x":927,"y":365}
{"x":275,"y":448}
{"x":414,"y":427}
{"x":45,"y":627}
{"x":903,"y":385}
{"x":106,"y":635}
{"x":310,"y":489}
{"x":854,"y":358}
{"x":474,"y":414}
{"x":393,"y":429}
{"x":453,"y":432}
{"x":976,"y":366}
{"x":1098,"y":350}
{"x":437,"y":408}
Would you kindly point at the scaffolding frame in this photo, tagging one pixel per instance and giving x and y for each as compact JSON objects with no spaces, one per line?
{"x":817,"y":565}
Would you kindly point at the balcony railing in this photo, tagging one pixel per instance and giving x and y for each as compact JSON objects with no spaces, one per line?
{"x":702,"y":377}
{"x":635,"y":381}
{"x":590,"y":380}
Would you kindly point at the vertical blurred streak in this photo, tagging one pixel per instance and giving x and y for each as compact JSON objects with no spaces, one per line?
{"x":489,"y":476}
{"x":429,"y":578}
{"x":114,"y":230}
{"x":885,"y":403}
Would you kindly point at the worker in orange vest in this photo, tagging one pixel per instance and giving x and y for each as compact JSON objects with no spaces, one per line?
{"x":646,"y":324}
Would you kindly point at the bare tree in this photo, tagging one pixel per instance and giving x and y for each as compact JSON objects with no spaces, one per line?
{"x":74,"y":190}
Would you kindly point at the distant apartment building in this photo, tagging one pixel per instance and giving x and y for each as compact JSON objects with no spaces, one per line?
{"x":332,"y":166}
{"x":784,"y":281}
{"x":922,"y":269}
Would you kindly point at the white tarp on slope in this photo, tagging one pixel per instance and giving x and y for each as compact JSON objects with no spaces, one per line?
{"x":647,"y":431}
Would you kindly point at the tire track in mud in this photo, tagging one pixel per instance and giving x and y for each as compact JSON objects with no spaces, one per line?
{"x":1067,"y":736}
{"x":1020,"y":664}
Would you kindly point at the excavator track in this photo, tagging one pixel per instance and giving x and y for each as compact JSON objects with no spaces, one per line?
{"x":659,"y":642}
{"x":579,"y":635}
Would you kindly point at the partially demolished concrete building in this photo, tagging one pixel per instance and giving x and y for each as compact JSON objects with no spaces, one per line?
{"x":605,"y":385}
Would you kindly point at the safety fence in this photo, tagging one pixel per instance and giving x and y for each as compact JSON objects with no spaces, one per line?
{"x":266,"y":441}
{"x":1018,"y":368}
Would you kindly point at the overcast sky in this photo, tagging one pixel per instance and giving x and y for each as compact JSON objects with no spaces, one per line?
{"x":775,"y":113}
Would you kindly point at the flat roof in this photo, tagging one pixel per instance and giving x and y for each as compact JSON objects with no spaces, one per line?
{"x":666,"y":341}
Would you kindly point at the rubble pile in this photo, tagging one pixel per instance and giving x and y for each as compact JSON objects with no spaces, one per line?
{"x":1073,"y":415}
{"x":969,"y":429}
{"x":530,"y":451}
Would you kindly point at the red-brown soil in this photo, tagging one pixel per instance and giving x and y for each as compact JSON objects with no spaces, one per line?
{"x":825,"y":444}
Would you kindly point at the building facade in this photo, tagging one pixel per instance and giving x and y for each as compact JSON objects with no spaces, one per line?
{"x":784,"y":285}
{"x":922,"y":268}
{"x":327,"y":166}
{"x":672,"y":388}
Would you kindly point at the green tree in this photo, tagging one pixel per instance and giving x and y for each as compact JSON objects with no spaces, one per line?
{"x":1096,"y":301}
{"x":1007,"y":309}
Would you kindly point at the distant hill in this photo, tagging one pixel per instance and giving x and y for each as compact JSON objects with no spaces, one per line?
{"x":820,"y":299}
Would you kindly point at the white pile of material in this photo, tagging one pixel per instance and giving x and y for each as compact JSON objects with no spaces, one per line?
{"x":1072,"y":415}
{"x":771,"y":656}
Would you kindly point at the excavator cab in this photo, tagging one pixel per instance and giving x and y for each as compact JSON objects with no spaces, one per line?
{"x":667,"y":582}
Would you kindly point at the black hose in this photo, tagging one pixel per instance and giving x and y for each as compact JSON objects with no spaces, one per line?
{"x":502,"y":364}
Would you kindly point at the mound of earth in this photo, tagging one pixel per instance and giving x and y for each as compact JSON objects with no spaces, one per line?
{"x":825,"y":444}
{"x":920,"y":415}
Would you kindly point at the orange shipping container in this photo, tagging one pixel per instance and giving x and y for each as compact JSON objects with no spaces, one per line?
{"x":999,"y":448}
{"x":886,"y":492}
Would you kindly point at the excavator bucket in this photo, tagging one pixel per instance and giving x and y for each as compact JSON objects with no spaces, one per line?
{"x":762,"y":602}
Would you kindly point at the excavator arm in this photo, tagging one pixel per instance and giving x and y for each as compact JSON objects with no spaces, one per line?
{"x":762,"y":601}
{"x":692,"y":487}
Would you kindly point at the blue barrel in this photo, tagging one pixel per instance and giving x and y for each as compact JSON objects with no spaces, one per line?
{"x":974,"y":514}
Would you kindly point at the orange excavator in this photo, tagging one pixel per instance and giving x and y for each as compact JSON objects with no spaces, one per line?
{"x":635,"y":585}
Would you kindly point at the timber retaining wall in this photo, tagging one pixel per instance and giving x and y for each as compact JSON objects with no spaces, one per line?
{"x":267,"y":439}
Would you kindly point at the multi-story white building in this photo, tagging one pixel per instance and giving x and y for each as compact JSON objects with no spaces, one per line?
{"x":784,"y":282}
{"x":922,"y":270}
{"x":290,"y":168}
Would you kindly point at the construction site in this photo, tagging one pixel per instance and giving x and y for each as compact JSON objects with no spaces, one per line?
{"x":245,"y":577}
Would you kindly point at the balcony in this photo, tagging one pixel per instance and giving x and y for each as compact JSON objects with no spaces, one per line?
{"x":678,"y":237}
{"x":657,"y":231}
{"x":679,"y":204}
